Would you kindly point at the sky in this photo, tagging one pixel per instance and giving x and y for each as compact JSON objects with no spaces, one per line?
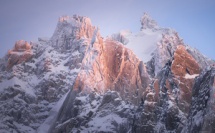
{"x":194,"y":20}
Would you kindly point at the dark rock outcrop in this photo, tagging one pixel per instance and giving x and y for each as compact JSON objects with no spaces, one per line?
{"x":201,"y":116}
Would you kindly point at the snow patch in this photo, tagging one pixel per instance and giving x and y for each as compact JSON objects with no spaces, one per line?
{"x":19,"y":84}
{"x":144,"y":43}
{"x":188,"y":76}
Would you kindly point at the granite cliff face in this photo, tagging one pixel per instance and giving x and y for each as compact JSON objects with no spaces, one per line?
{"x":77,"y":81}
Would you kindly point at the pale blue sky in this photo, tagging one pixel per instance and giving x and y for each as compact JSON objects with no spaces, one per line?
{"x":29,"y":19}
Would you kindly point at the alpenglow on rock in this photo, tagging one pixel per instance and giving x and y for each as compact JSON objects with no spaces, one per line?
{"x":70,"y":29}
{"x":20,"y":53}
{"x":78,"y":81}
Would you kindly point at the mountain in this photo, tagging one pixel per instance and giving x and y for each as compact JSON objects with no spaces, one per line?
{"x":78,"y":81}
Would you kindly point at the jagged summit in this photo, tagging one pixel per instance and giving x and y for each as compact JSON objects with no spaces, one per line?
{"x":71,"y":28}
{"x":148,"y":23}
{"x":151,"y":41}
{"x":74,"y":20}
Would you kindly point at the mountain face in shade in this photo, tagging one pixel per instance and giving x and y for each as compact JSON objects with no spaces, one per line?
{"x":77,"y":81}
{"x":201,"y":115}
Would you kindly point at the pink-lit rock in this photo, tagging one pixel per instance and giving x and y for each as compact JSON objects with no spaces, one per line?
{"x":20,"y":53}
{"x":22,"y":45}
{"x":113,"y":67}
{"x":184,"y":64}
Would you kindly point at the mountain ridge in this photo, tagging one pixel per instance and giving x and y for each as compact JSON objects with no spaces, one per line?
{"x":107,"y":85}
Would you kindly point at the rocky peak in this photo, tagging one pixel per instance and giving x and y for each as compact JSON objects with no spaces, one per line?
{"x":22,"y":45}
{"x":75,"y":20}
{"x":148,"y":23}
{"x":71,"y":29}
{"x":20,"y":53}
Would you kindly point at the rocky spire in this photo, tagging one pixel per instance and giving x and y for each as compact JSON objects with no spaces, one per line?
{"x":148,"y":23}
{"x":70,"y":29}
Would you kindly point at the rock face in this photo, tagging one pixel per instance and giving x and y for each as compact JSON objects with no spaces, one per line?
{"x":185,"y":68}
{"x":76,"y":81}
{"x":201,"y":116}
{"x":69,"y":30}
{"x":21,"y":53}
{"x":97,"y":113}
{"x":22,"y":45}
{"x":184,"y":63}
{"x":113,"y":67}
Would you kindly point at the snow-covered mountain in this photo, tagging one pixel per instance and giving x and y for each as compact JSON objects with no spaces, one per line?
{"x":77,"y":81}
